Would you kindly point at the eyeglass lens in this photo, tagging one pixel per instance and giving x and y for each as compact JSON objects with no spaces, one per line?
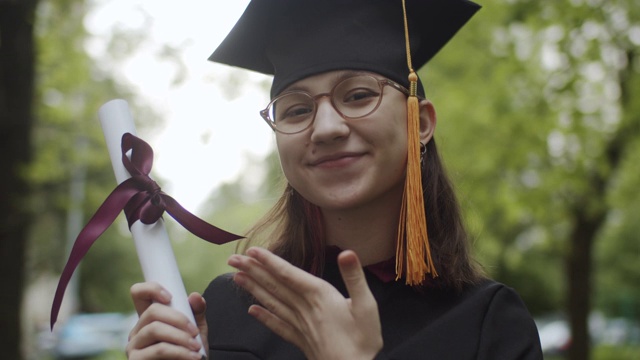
{"x":353,"y":98}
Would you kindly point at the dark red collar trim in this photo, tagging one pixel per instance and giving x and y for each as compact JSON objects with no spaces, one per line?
{"x":384,"y":270}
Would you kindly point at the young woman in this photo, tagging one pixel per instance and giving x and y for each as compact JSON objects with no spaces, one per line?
{"x":341,"y":276}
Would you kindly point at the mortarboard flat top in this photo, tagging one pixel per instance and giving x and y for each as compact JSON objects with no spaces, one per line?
{"x":293,"y":39}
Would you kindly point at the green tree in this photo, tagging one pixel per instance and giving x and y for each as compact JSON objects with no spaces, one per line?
{"x":69,"y":148}
{"x":234,"y":206}
{"x":71,"y":173}
{"x":543,"y":145}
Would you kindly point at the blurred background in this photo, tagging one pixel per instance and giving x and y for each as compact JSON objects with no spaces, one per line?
{"x":539,"y":125}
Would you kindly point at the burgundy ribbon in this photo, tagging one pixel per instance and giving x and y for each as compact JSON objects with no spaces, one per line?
{"x":141,"y":199}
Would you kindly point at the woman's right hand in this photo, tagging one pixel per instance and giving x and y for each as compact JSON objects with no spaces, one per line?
{"x":161,"y":331}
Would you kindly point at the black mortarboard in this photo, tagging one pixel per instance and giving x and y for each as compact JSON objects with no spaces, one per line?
{"x":293,"y":39}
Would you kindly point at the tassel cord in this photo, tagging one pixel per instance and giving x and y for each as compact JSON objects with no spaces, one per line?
{"x":413,"y":253}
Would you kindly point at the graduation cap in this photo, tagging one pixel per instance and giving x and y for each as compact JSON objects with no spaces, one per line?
{"x":294,"y":39}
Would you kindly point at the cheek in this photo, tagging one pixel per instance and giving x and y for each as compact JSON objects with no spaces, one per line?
{"x":287,"y":152}
{"x":393,"y":138}
{"x":391,"y":132}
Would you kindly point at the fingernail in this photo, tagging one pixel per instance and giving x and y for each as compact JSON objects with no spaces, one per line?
{"x":197,"y":356}
{"x":234,"y":260}
{"x":192,"y":328}
{"x":194,"y":344}
{"x":165,"y":295}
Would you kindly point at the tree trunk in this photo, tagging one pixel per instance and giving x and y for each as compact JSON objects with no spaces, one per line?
{"x":579,"y":269}
{"x":17,"y":59}
{"x":591,"y":213}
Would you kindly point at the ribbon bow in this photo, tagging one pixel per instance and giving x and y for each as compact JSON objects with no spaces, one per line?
{"x":141,"y":199}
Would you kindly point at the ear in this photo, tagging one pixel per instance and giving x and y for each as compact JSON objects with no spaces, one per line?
{"x":428,"y":121}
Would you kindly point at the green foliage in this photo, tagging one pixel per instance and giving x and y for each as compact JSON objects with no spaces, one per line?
{"x":610,"y":352}
{"x":492,"y":135}
{"x":71,"y":174}
{"x":234,"y":206}
{"x":530,"y":97}
{"x":111,"y":355}
{"x":617,"y":258}
{"x":108,"y":272}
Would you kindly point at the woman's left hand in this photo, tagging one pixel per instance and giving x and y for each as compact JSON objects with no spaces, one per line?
{"x":308,"y":311}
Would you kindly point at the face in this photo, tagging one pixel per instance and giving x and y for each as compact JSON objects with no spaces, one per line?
{"x":341,"y":164}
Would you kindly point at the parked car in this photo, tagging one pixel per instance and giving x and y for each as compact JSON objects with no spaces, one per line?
{"x":555,"y":336}
{"x":555,"y":333}
{"x":85,"y":335}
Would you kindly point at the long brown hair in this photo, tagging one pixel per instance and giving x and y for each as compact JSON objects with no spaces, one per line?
{"x":293,"y":229}
{"x":450,"y":243}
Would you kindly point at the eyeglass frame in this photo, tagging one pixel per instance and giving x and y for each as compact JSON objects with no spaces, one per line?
{"x":264,"y":113}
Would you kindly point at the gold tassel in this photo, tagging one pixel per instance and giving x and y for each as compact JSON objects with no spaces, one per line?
{"x":413,"y":243}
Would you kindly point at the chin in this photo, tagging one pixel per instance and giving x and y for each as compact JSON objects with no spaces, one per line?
{"x":341,"y":202}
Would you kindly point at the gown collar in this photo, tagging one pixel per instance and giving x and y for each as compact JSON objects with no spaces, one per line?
{"x":384,"y":271}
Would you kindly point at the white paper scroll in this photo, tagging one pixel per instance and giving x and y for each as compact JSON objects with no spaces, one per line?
{"x":152,"y":241}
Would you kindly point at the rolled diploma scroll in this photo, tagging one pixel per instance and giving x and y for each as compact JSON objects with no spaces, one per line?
{"x":152,"y":241}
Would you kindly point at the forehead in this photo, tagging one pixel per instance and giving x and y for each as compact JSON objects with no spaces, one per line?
{"x":326,"y":80}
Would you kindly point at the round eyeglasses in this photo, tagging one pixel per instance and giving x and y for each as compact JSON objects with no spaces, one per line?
{"x":355,"y":97}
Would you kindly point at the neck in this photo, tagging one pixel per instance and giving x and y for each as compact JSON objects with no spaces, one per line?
{"x":370,"y":230}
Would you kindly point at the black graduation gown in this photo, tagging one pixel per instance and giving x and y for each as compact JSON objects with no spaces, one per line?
{"x":488,"y":321}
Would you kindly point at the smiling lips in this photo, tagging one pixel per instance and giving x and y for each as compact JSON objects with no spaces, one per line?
{"x":336,"y":160}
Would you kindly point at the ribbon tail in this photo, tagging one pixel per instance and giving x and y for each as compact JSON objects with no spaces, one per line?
{"x":100,"y":221}
{"x":195,"y":225}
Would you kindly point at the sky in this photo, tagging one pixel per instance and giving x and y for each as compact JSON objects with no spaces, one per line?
{"x":207,"y":134}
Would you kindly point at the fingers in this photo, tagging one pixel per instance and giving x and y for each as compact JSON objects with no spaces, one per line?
{"x":273,"y":274}
{"x":281,"y":288}
{"x":163,"y":351}
{"x":277,"y":325}
{"x":271,"y":298}
{"x":161,"y":331}
{"x":145,"y":294}
{"x":199,"y":308}
{"x":265,"y":264}
{"x":363,"y":305}
{"x":164,"y":340}
{"x":159,"y":313}
{"x":353,"y":276}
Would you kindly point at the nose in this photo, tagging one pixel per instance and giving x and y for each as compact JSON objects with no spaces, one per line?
{"x":328,"y":124}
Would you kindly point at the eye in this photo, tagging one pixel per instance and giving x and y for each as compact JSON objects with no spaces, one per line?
{"x":293,"y":107}
{"x":360,"y":95}
{"x":297,"y":112}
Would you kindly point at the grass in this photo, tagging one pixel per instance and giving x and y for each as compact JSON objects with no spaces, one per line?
{"x":608,"y":352}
